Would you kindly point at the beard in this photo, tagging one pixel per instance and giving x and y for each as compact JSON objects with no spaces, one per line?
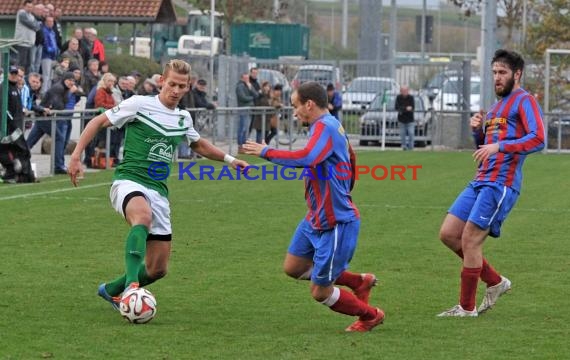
{"x":507,"y":89}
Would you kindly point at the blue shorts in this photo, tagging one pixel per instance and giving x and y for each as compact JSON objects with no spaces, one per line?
{"x":485,"y":204}
{"x":330,"y":250}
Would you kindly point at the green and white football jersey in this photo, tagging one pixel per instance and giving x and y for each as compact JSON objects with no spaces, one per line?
{"x":152,"y":134}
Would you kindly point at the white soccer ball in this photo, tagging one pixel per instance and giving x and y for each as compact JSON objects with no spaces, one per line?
{"x":138,"y":306}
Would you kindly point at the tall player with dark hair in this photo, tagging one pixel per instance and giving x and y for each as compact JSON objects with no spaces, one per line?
{"x":325,"y":240}
{"x":504,"y":135}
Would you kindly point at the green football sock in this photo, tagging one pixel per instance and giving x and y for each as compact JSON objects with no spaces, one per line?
{"x":134,"y":252}
{"x":117,"y":286}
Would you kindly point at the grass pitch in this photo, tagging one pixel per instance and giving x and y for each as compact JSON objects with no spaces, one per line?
{"x":226,"y":297}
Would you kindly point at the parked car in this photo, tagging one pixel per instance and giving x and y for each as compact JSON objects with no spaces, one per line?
{"x":362,"y":90}
{"x":433,"y":86}
{"x":450,"y":98}
{"x":275,"y":77}
{"x":371,"y":121}
{"x":323,"y":74}
{"x":559,"y":124}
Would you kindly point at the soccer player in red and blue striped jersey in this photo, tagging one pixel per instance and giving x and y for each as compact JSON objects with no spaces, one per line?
{"x":504,"y":136}
{"x":325,"y":240}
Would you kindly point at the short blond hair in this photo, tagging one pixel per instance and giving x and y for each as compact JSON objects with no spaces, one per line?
{"x":178,"y":66}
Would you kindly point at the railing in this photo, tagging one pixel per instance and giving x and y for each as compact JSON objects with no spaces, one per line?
{"x":448,"y":129}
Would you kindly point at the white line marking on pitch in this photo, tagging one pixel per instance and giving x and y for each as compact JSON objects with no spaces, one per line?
{"x":23,"y":196}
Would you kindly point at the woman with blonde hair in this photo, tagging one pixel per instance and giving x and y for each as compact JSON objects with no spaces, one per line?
{"x":104,"y":100}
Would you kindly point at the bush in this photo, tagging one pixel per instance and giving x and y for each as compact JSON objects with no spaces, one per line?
{"x":123,"y":65}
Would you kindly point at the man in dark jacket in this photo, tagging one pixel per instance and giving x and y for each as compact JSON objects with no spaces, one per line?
{"x":405,"y":108}
{"x":246,"y":95}
{"x":13,"y":144}
{"x":15,"y":116}
{"x":199,"y":94}
{"x":55,"y":99}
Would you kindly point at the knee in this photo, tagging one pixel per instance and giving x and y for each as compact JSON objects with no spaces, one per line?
{"x":319,"y":293}
{"x":297,"y":272}
{"x":447,"y":237}
{"x":157,"y":272}
{"x":292,"y":272}
{"x":145,"y":219}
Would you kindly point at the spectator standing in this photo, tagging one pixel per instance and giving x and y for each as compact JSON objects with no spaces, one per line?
{"x":73,"y":54}
{"x":84,"y":47}
{"x":334,"y":101}
{"x":56,"y":98}
{"x":187,"y":102}
{"x":105,"y":100}
{"x":148,"y":87}
{"x":246,"y":95}
{"x":199,"y":92}
{"x":49,"y":52}
{"x":59,"y":69}
{"x":31,"y":102}
{"x":15,"y":118}
{"x":57,"y":28}
{"x":130,"y":85}
{"x":91,"y":75}
{"x":40,"y":13}
{"x":277,"y":102}
{"x":25,"y":33}
{"x":103,"y":67}
{"x":15,"y":155}
{"x":405,"y":108}
{"x":262,"y":100}
{"x":97,"y":48}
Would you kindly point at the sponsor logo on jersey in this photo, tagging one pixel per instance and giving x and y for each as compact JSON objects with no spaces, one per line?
{"x":160,"y":152}
{"x":155,"y":140}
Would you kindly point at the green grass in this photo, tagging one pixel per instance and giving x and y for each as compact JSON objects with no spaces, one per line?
{"x":227,"y":298}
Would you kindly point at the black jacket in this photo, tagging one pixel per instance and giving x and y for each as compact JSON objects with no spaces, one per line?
{"x":200,"y":100}
{"x":402,"y":102}
{"x":56,"y":97}
{"x":15,"y":118}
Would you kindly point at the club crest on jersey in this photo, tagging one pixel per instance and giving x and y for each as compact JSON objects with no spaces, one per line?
{"x":160,"y":152}
{"x":115,"y":109}
{"x":181,"y":121}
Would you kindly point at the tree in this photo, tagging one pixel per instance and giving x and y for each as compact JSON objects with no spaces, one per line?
{"x":510,"y":11}
{"x":551,"y":28}
{"x":236,"y":11}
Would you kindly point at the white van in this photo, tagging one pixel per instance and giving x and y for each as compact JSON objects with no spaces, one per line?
{"x":194,"y":45}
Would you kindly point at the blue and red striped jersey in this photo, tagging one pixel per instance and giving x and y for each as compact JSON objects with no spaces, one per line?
{"x":515,"y":122}
{"x":329,"y":163}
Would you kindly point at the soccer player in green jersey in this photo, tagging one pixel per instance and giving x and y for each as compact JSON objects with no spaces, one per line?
{"x":154,"y":127}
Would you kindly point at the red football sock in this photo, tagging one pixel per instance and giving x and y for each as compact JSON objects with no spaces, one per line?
{"x":489,"y":275}
{"x":469,"y":279}
{"x":349,"y":279}
{"x":349,"y":304}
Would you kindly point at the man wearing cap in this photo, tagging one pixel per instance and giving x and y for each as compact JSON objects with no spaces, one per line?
{"x":15,"y":114}
{"x":56,"y":98}
{"x":15,"y":118}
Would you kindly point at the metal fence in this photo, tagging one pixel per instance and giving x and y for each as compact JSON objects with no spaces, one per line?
{"x":375,"y":128}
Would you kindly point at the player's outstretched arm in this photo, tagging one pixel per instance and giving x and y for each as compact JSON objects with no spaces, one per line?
{"x":75,"y":169}
{"x":208,"y":150}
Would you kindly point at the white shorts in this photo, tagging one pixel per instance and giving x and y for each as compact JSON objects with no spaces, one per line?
{"x":159,"y":204}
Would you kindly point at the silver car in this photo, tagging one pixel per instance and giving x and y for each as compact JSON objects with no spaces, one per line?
{"x":362,"y":90}
{"x":371,"y":121}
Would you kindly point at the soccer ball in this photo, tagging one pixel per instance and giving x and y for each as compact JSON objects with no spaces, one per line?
{"x":138,"y":306}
